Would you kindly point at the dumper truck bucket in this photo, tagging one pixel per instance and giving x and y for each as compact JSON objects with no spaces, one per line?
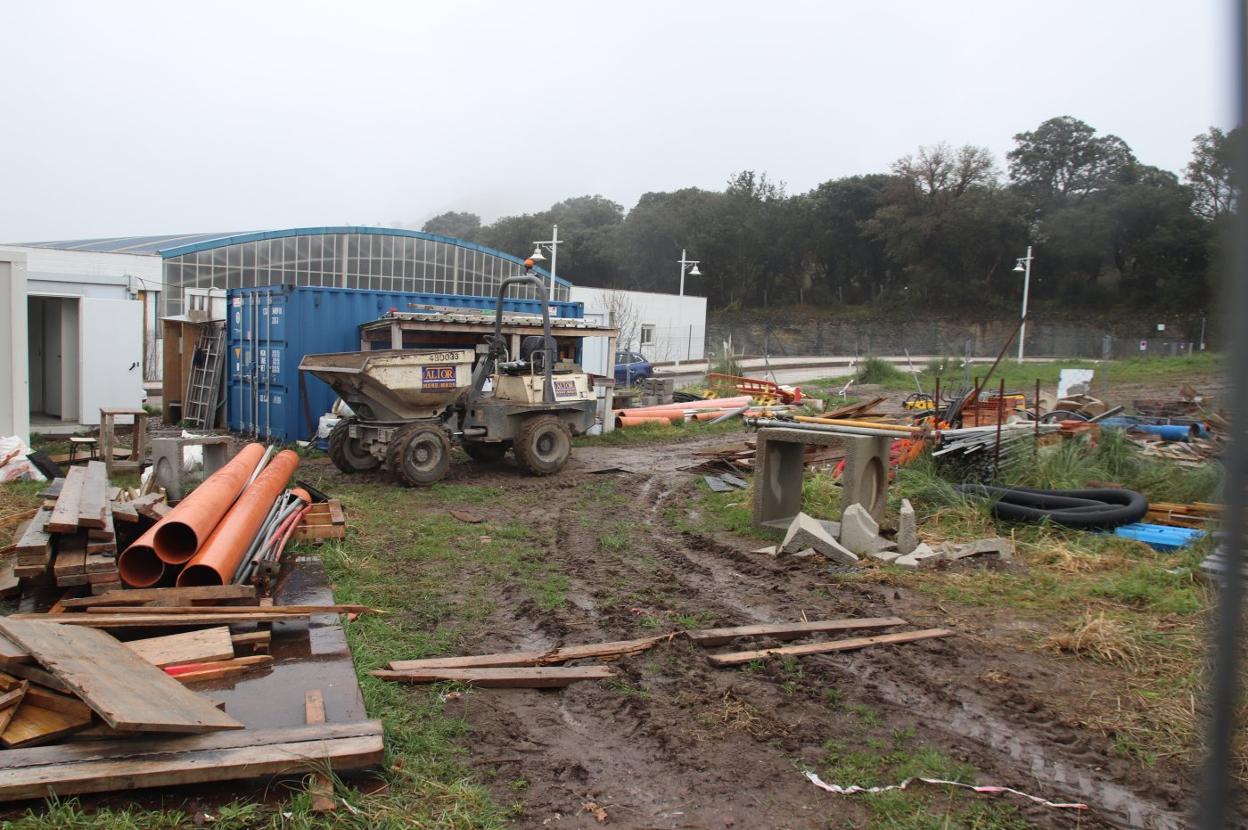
{"x":394,"y":384}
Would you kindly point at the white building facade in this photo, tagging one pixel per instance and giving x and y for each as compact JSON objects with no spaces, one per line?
{"x":665,"y":328}
{"x":76,"y":339}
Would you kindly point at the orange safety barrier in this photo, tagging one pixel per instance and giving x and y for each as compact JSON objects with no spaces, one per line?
{"x":139,"y":565}
{"x":182,"y":532}
{"x":219,"y":556}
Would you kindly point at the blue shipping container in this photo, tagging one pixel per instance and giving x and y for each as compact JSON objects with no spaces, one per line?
{"x":271,"y":328}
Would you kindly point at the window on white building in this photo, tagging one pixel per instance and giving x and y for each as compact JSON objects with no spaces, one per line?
{"x":647,"y":334}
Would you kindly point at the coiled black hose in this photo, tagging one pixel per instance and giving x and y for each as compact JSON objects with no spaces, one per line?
{"x":1104,"y":507}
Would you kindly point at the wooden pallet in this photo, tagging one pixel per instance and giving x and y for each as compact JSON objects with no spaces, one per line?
{"x":324,"y":520}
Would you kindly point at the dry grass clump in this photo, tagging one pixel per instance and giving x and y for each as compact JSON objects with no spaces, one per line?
{"x":1099,"y":637}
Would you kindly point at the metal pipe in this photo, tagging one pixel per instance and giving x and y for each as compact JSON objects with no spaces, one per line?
{"x":262,"y":463}
{"x":839,"y":430}
{"x":996,"y":455}
{"x":218,"y":559}
{"x":729,"y":415}
{"x":845,"y":422}
{"x":183,"y":530}
{"x":252,"y":549}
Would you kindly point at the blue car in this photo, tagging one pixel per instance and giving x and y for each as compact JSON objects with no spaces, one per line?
{"x":631,"y":368}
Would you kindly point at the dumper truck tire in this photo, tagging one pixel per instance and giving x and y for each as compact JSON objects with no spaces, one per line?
{"x":486,"y":452}
{"x":419,"y":455}
{"x":543,"y":445}
{"x":346,"y":452}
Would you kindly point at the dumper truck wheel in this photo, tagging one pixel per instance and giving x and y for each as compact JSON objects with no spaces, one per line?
{"x":346,"y":452}
{"x":486,"y":452}
{"x":419,"y":455}
{"x":543,"y":445}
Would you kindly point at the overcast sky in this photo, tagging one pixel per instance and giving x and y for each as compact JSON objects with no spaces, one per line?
{"x":132,"y":118}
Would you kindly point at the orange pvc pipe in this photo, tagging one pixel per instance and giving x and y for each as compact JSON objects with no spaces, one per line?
{"x":628,"y":421}
{"x":139,"y":565}
{"x":667,"y":415}
{"x":712,"y":415}
{"x":708,"y":403}
{"x":218,"y":559}
{"x":183,"y":531}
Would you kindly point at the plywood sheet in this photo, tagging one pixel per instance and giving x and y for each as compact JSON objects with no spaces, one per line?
{"x":187,"y":647}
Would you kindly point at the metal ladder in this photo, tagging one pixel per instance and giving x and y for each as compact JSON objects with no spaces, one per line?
{"x":203,"y":389}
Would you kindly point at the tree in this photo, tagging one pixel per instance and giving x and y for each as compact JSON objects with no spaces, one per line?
{"x":454,"y":224}
{"x":1065,"y":159}
{"x":1209,"y":172}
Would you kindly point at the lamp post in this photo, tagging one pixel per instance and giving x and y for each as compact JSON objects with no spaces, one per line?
{"x":1023,"y":266}
{"x":689,"y":266}
{"x":551,"y":245}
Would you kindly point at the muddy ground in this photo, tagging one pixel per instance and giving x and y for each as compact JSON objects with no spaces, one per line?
{"x":675,"y":742}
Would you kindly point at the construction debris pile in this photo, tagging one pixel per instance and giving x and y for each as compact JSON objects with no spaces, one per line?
{"x":109,"y":710}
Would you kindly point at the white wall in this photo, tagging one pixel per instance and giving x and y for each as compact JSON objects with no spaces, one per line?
{"x":14,"y":388}
{"x":88,"y":274}
{"x":679,"y":323}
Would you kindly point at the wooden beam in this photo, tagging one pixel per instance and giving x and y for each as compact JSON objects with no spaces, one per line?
{"x":65,"y":516}
{"x":530,"y":658}
{"x":157,"y":620}
{"x":134,"y":596}
{"x":500,"y":678}
{"x":784,"y":631}
{"x":229,"y":609}
{"x":108,"y":766}
{"x":30,"y":671}
{"x":32,"y":725}
{"x":7,"y":714}
{"x":320,"y":788}
{"x":11,"y":652}
{"x":127,"y":692}
{"x":35,"y":538}
{"x":738,"y":657}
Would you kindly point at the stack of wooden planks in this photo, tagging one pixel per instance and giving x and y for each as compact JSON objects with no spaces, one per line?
{"x":73,"y":540}
{"x":322,"y":520}
{"x":1198,"y":515}
{"x":739,"y":456}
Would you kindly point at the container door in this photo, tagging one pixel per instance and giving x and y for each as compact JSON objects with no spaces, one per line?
{"x":271,"y":365}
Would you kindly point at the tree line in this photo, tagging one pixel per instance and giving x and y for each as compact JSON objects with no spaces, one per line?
{"x":942,"y":229}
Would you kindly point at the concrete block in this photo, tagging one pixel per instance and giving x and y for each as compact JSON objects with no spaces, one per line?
{"x":806,"y":532}
{"x":779,"y":467}
{"x":885,"y":556}
{"x":770,"y":550}
{"x":921,"y":557}
{"x":859,"y":532}
{"x":865,"y":478}
{"x":907,"y":529}
{"x":167,"y":461}
{"x":997,"y":546}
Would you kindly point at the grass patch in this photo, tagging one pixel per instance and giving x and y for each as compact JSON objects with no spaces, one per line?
{"x":880,"y":373}
{"x":884,"y":760}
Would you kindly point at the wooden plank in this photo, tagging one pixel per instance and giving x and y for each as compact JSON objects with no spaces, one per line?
{"x":7,"y":713}
{"x":134,"y":596}
{"x":531,"y":658}
{"x":305,"y":532}
{"x":11,"y":652}
{"x":252,"y":638}
{"x":66,"y":704}
{"x":218,"y":673}
{"x":228,"y":609}
{"x":336,"y":513}
{"x":35,"y":538}
{"x":321,"y":789}
{"x":71,"y":557}
{"x":93,"y":500}
{"x":106,"y":766}
{"x":34,"y":674}
{"x":499,"y":678}
{"x":12,"y":697}
{"x":738,"y":657}
{"x":784,"y":631}
{"x":188,"y":669}
{"x":200,"y":646}
{"x":149,"y":506}
{"x":127,"y":692}
{"x":32,"y":725}
{"x":156,"y":620}
{"x":100,"y":563}
{"x":10,"y":583}
{"x":107,"y":533}
{"x":65,"y":517}
{"x":123,"y":511}
{"x":8,"y":682}
{"x":17,"y":518}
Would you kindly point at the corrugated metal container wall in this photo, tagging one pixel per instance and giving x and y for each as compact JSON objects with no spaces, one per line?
{"x":272,"y":327}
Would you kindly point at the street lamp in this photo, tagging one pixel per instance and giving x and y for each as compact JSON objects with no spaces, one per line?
{"x":689,"y":266}
{"x":1023,"y":266}
{"x":551,"y":245}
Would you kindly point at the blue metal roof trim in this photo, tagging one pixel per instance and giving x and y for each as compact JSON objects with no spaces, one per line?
{"x":257,"y":236}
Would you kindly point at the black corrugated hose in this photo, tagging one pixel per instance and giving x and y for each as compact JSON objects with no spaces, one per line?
{"x":1105,"y":507}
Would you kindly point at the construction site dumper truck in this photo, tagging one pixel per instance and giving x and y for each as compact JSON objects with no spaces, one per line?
{"x":410,"y":406}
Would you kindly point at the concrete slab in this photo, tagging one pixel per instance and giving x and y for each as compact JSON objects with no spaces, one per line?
{"x":807,"y":532}
{"x":859,"y":532}
{"x":907,"y":528}
{"x":865,"y":477}
{"x":997,"y":546}
{"x":921,"y":556}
